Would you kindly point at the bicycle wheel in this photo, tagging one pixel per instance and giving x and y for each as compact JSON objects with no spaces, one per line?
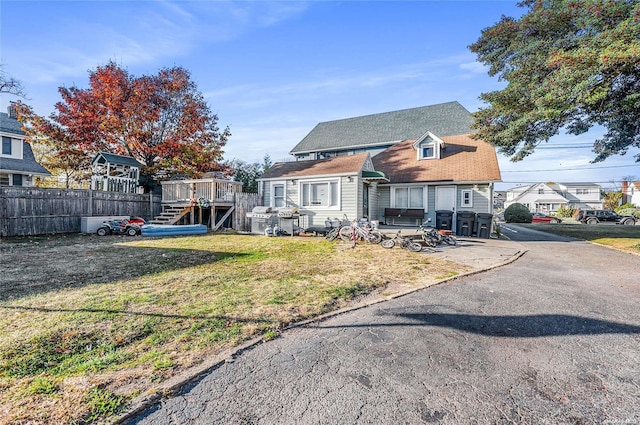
{"x":345,"y":233}
{"x":388,"y":243}
{"x":414,"y":246}
{"x":450,"y":240}
{"x":430,"y":241}
{"x":332,"y":235}
{"x":375,"y":237}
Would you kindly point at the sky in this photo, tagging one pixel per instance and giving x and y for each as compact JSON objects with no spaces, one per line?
{"x":271,"y":71}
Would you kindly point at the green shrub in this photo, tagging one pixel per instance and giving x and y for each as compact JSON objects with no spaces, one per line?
{"x":626,"y":206}
{"x":517,"y":213}
{"x":629,"y":209}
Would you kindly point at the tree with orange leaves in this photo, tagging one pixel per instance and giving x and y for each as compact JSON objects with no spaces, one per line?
{"x":160,"y":120}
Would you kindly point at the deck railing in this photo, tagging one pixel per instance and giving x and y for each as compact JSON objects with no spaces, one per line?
{"x":212,"y":190}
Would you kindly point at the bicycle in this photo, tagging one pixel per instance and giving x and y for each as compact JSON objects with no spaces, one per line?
{"x":334,"y":233}
{"x":434,"y":237}
{"x":355,"y":231}
{"x":402,"y":242}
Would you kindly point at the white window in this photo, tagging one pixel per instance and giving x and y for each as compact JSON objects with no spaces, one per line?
{"x":466,"y":198}
{"x":428,"y":151}
{"x":320,"y":194}
{"x":581,"y":191}
{"x":408,"y":197}
{"x":277,"y":196}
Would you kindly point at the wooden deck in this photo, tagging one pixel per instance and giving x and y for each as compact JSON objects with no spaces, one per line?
{"x":187,"y":200}
{"x":201,"y":191}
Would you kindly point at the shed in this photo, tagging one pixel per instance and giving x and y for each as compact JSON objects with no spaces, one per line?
{"x":115,"y":173}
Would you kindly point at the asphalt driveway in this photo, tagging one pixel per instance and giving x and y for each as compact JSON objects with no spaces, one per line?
{"x":550,"y":339}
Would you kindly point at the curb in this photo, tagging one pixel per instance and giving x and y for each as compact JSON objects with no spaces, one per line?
{"x":195,"y":373}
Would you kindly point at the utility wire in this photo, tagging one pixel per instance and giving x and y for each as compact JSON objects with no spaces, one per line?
{"x":570,"y":169}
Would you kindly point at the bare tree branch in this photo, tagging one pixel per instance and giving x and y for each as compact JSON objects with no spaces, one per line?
{"x":10,"y":85}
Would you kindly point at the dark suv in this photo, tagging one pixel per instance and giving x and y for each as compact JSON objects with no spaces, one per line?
{"x":604,"y":216}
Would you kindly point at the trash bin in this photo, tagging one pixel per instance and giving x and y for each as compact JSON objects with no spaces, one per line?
{"x":443,"y":219}
{"x":483,"y":225}
{"x":465,"y":221}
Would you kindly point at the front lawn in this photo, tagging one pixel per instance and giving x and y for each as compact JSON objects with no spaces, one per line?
{"x":89,"y":323}
{"x":626,"y":238}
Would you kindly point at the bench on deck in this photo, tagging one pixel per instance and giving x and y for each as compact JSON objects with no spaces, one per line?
{"x":409,"y":213}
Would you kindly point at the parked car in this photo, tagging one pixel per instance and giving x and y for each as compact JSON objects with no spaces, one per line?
{"x":604,"y":216}
{"x":542,"y":218}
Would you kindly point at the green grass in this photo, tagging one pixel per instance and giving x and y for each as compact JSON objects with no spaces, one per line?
{"x":124,"y":314}
{"x":626,"y":238}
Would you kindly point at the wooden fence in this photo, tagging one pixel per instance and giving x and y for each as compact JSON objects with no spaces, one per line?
{"x":244,"y":203}
{"x":37,"y":211}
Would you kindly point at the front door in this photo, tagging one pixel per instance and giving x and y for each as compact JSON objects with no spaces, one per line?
{"x":446,"y":200}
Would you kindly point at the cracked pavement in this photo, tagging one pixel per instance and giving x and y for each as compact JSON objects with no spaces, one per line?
{"x":552,"y":338}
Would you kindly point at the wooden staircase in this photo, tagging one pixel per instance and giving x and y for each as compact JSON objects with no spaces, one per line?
{"x":171,"y":215}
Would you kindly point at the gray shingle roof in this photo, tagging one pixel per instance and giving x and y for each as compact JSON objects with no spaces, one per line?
{"x":445,"y":119}
{"x":117,"y":159}
{"x":10,"y":125}
{"x":26,"y":165}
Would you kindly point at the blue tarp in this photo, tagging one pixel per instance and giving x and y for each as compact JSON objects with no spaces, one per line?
{"x":173,"y":230}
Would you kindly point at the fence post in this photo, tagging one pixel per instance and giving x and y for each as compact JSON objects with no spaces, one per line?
{"x":90,"y":207}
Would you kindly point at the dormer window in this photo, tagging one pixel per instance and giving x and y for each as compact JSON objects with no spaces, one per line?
{"x":428,"y":151}
{"x":428,"y":146}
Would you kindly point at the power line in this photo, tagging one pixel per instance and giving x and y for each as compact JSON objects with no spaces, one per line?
{"x":570,"y":169}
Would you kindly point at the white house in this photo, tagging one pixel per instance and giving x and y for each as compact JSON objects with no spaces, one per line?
{"x":548,"y":197}
{"x":631,"y":193}
{"x":18,"y":166}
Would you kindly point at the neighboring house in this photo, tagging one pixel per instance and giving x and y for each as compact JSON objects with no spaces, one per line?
{"x":419,"y":159}
{"x":548,"y":197}
{"x":115,"y":173}
{"x":18,"y":166}
{"x":631,"y":193}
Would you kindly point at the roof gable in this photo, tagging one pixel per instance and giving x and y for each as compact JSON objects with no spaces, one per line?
{"x":387,"y":128}
{"x":462,"y":160}
{"x":103,"y":157}
{"x":347,"y":164}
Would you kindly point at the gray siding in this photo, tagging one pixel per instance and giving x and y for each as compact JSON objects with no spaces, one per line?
{"x":384,"y":200}
{"x":481,"y":201}
{"x":292,"y":197}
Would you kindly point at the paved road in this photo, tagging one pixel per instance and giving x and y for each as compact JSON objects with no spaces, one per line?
{"x":553,"y":338}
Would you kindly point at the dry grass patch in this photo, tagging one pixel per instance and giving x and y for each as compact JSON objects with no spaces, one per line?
{"x":89,"y":323}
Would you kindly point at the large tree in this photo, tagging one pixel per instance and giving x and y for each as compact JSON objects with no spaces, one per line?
{"x":161,"y":120}
{"x":569,"y":65}
{"x":54,"y":147}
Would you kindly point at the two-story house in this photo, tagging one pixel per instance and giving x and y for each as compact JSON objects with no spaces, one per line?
{"x":548,"y":197}
{"x":18,"y":167}
{"x":419,"y":159}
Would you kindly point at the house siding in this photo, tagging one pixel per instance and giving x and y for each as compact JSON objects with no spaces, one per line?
{"x":480,"y":198}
